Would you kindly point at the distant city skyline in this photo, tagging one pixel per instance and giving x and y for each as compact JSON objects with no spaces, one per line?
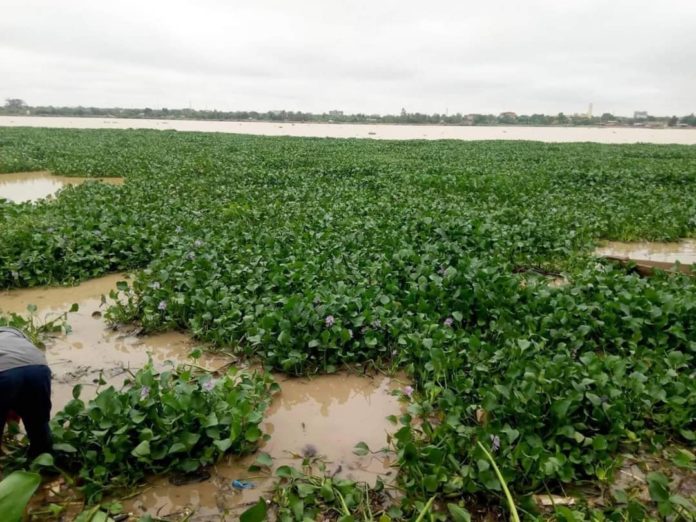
{"x":364,"y":56}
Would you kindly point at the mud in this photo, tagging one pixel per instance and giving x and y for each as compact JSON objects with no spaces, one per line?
{"x":322,"y":418}
{"x":683,"y":251}
{"x":20,"y":187}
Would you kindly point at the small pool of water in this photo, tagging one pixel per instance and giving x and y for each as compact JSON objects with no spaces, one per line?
{"x":21,"y":187}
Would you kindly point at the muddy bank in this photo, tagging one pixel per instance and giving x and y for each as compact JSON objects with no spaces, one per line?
{"x":322,"y":418}
{"x":683,"y":251}
{"x":20,"y":187}
{"x":648,"y":256}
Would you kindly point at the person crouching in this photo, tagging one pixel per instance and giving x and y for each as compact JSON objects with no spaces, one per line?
{"x":25,"y":388}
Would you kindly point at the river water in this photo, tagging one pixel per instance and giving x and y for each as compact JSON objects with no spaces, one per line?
{"x":392,"y":132}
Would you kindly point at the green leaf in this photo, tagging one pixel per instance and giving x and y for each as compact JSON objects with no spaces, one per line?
{"x":256,"y":513}
{"x":177,"y":447}
{"x":64,"y":447}
{"x":45,"y":460}
{"x":142,"y":449}
{"x":264,"y":459}
{"x":297,"y":507}
{"x":15,"y":492}
{"x":222,"y":444}
{"x":305,"y":490}
{"x":658,"y":486}
{"x":458,"y":514}
{"x":253,"y":434}
{"x":361,"y":449}
{"x":327,"y":492}
{"x":284,"y":472}
{"x":684,"y":458}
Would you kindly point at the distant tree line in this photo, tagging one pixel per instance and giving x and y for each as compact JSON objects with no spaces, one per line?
{"x":15,"y":106}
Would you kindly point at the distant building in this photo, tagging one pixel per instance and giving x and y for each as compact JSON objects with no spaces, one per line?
{"x":508,"y":115}
{"x":640,"y":115}
{"x":335,"y":113}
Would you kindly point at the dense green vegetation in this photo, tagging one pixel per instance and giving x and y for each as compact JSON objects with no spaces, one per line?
{"x":434,"y":257}
{"x":174,"y":421}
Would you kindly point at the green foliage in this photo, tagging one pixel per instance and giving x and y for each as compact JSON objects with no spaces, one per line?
{"x":37,"y":329}
{"x":302,"y":495}
{"x":173,"y":421}
{"x":15,"y":491}
{"x":313,"y":254}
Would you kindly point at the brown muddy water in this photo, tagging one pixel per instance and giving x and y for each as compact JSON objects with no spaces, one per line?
{"x":324,"y":416}
{"x":659,"y":255}
{"x":20,"y":187}
{"x":371,"y":131}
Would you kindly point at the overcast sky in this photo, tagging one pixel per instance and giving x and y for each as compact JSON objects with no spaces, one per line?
{"x":355,"y":55}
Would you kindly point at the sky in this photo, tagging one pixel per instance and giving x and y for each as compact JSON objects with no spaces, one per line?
{"x":367,"y":56}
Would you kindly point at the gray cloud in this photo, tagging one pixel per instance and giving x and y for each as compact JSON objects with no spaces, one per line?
{"x":359,"y":56}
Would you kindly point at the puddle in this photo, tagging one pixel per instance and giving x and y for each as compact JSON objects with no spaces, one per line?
{"x":92,"y":347}
{"x":325,"y":415}
{"x":328,"y":415}
{"x":32,"y":186}
{"x":684,"y":251}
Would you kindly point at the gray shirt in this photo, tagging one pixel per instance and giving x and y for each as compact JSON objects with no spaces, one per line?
{"x":16,"y":350}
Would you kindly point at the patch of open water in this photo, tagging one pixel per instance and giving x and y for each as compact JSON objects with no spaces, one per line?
{"x":21,"y":187}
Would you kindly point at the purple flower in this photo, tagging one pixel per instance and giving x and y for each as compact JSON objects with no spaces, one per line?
{"x":376,"y":323}
{"x":408,"y":391}
{"x":162,"y":305}
{"x":144,"y":392}
{"x":441,"y":271}
{"x":448,"y":322}
{"x":179,"y":230}
{"x":190,"y":256}
{"x":155,"y":285}
{"x":495,"y":442}
{"x":394,"y":353}
{"x":208,"y":385}
{"x":329,"y":321}
{"x":198,"y":243}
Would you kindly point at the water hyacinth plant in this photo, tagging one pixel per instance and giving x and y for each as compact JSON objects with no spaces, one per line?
{"x":436,"y":257}
{"x":171,"y":421}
